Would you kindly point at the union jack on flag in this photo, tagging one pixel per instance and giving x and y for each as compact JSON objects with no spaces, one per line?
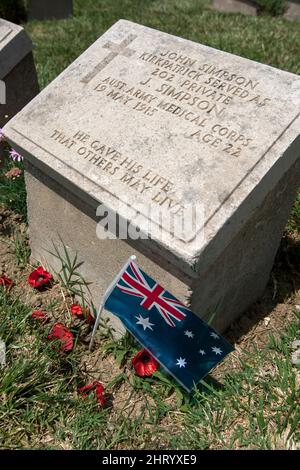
{"x":181,"y":342}
{"x":133,"y":282}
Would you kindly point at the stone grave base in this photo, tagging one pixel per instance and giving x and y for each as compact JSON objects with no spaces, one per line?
{"x":228,"y":287}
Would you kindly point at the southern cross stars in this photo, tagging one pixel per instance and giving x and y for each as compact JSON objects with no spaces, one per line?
{"x":145,"y":322}
{"x":202,"y":352}
{"x":189,"y":334}
{"x":181,"y":362}
{"x":217,"y":350}
{"x":214,"y":335}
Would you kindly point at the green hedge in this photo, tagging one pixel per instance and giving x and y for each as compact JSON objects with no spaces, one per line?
{"x":13,"y":10}
{"x":273,"y":7}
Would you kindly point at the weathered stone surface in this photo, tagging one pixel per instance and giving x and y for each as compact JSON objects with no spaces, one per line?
{"x":143,"y":117}
{"x":17,"y":71}
{"x":293,"y":10}
{"x":63,"y":215}
{"x":50,"y":9}
{"x":236,"y":6}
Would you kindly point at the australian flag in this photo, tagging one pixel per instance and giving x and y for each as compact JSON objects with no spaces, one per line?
{"x":180,"y":341}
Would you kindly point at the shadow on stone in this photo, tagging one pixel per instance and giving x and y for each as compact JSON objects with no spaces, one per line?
{"x":284,"y":282}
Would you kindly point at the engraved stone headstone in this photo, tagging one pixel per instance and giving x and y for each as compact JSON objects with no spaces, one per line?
{"x":164,"y":131}
{"x":49,"y":9}
{"x":18,"y":80}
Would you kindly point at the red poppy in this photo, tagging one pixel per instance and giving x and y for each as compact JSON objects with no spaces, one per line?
{"x":61,"y":332}
{"x":98,"y":388}
{"x":39,"y":278}
{"x":40,"y":316}
{"x":144,"y":364}
{"x":90,"y":318}
{"x":6,"y":282}
{"x":77,"y":310}
{"x":82,"y":313}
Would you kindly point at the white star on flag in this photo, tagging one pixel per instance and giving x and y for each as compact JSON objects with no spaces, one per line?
{"x":214,"y":335}
{"x":181,"y":362}
{"x":217,"y":350}
{"x":202,"y":352}
{"x":189,"y":334}
{"x":145,"y":322}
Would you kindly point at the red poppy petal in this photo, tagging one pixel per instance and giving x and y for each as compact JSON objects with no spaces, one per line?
{"x":59,"y":331}
{"x":94,"y":386}
{"x":144,"y":364}
{"x":40,"y":315}
{"x":76,"y":310}
{"x":87,"y":388}
{"x":39,"y":277}
{"x":6,"y":281}
{"x":90,"y":318}
{"x":101,"y":400}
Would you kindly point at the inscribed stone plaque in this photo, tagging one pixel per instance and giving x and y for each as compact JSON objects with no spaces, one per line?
{"x":143,"y":117}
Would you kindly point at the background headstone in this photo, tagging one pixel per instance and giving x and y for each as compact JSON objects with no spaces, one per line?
{"x":18,"y":79}
{"x":236,"y":6}
{"x":49,"y":9}
{"x":293,"y":10}
{"x":249,"y":7}
{"x":145,"y":119}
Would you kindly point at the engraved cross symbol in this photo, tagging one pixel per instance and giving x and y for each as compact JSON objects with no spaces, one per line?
{"x":116,"y":49}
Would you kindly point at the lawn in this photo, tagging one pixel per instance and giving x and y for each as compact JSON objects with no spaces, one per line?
{"x":251,"y":401}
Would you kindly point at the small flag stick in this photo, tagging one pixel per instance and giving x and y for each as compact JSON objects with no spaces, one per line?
{"x":106,"y":295}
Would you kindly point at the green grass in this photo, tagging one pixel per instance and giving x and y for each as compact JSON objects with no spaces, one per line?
{"x":13,"y":191}
{"x":21,"y":249}
{"x":272,"y":7}
{"x":256,"y":407}
{"x":294,"y":222}
{"x":273,"y":41}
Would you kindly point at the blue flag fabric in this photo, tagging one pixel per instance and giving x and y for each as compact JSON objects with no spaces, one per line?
{"x":180,"y":341}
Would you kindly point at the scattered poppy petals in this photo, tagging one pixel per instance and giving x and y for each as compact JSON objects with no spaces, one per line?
{"x":39,"y":278}
{"x":6,"y":282}
{"x":100,"y":394}
{"x":82,"y":313}
{"x":40,"y":316}
{"x":94,"y":386}
{"x":144,"y":364}
{"x":66,"y":337}
{"x":77,"y":310}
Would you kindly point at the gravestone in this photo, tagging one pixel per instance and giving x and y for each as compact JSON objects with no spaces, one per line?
{"x":164,"y":131}
{"x":249,"y":7}
{"x":18,"y":80}
{"x":236,"y":6}
{"x":49,"y":9}
{"x":293,"y":10}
